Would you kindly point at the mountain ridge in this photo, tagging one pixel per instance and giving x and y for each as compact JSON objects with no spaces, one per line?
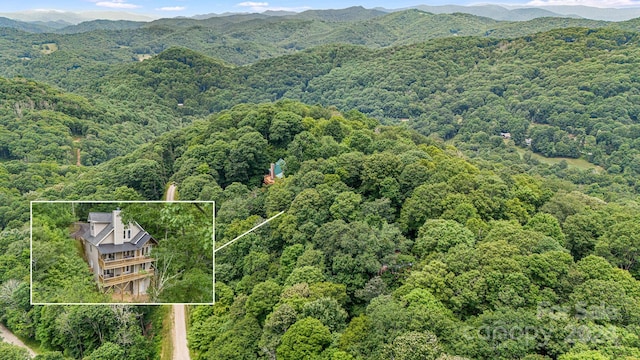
{"x":50,"y":21}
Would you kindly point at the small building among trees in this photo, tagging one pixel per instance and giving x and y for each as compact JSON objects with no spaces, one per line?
{"x":276,"y":171}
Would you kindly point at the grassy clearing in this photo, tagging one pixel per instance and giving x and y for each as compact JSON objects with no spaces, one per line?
{"x":47,"y":49}
{"x":580,"y":164}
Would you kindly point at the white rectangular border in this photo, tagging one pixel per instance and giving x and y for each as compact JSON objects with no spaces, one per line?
{"x":213,"y":244}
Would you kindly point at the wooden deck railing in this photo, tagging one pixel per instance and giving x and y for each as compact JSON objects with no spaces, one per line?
{"x":118,"y":279}
{"x":118,"y":263}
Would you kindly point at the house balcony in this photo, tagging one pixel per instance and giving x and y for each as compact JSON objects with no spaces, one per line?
{"x":123,"y":278}
{"x":119,"y":263}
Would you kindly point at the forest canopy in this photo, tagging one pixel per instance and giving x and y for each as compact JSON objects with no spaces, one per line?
{"x":443,"y":197}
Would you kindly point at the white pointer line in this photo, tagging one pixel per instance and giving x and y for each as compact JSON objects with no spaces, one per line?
{"x":248,"y":231}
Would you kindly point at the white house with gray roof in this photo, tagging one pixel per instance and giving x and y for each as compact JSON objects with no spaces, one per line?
{"x":118,"y":253}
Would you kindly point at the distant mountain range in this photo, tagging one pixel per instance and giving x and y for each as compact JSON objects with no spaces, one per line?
{"x":519,"y":13}
{"x":72,"y":18}
{"x":33,"y":27}
{"x":70,"y":22}
{"x":495,"y":12}
{"x":606,"y":14}
{"x":354,"y":13}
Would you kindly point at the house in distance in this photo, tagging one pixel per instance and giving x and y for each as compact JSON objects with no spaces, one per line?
{"x":276,"y":171}
{"x":118,"y":253}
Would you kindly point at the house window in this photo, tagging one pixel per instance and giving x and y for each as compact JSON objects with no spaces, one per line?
{"x":124,"y":233}
{"x":127,"y":269}
{"x":129,"y":233}
{"x":143,"y":266}
{"x":108,"y":273}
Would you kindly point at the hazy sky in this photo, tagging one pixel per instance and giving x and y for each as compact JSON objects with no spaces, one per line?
{"x":172,"y":8}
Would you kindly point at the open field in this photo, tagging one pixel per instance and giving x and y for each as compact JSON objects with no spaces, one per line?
{"x":47,"y":48}
{"x":581,"y":164}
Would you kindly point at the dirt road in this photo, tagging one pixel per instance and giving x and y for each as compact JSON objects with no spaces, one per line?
{"x":7,"y":336}
{"x":171,"y":192}
{"x":179,"y":331}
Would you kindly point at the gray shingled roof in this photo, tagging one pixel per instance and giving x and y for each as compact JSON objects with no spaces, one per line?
{"x":101,"y":217}
{"x":138,"y":236}
{"x":111,"y":248}
{"x":101,"y":235}
{"x":136,"y":243}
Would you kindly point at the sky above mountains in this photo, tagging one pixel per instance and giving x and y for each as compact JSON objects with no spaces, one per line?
{"x":171,"y":8}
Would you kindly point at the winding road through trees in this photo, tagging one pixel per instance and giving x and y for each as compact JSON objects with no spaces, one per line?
{"x":7,"y":336}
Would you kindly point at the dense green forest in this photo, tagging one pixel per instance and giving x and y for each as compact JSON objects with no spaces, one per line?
{"x":413,"y":226}
{"x":91,"y":49}
{"x":389,"y":239}
{"x":572,"y":93}
{"x":392,"y":240}
{"x":555,"y":88}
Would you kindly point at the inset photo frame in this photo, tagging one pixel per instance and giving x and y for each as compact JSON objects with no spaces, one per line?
{"x":129,"y":252}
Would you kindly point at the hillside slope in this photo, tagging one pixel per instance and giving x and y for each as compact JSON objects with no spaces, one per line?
{"x":573,"y":91}
{"x":382,"y":227}
{"x":67,"y":60}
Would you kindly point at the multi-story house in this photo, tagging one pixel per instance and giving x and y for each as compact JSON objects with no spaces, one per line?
{"x":118,"y":253}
